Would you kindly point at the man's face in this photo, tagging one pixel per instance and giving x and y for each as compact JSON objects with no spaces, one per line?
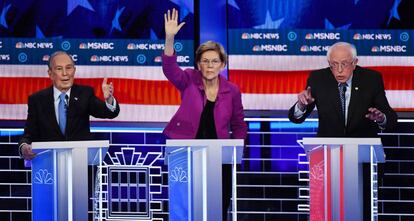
{"x":342,"y":63}
{"x":62,"y":72}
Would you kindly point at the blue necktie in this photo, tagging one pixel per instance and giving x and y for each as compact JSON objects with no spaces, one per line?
{"x":342,"y":90}
{"x":62,"y":112}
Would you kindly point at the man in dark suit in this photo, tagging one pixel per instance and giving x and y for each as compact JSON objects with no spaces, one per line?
{"x":61,"y":112}
{"x":363,"y":110}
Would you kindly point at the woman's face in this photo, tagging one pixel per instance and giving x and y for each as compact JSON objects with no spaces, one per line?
{"x":210,"y":65}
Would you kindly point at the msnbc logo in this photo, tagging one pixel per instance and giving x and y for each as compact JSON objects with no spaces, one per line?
{"x":82,"y":46}
{"x":309,"y":36}
{"x":375,"y":49}
{"x":256,"y":48}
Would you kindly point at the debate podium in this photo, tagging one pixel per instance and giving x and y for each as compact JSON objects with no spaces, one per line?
{"x":336,"y":177}
{"x":195,"y":177}
{"x":60,"y":179}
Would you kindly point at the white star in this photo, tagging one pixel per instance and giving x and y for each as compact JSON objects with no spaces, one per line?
{"x":72,"y":4}
{"x":269,"y":23}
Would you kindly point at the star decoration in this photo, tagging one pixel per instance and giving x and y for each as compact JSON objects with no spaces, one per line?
{"x":233,"y":3}
{"x":269,"y":23}
{"x":394,"y":11}
{"x":72,"y":4}
{"x":3,"y":21}
{"x":186,"y":7}
{"x":39,"y":33}
{"x":153,"y":36}
{"x":115,"y":21}
{"x":329,"y":25}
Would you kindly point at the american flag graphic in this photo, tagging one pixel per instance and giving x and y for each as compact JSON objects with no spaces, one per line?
{"x":272,"y":44}
{"x":118,"y":39}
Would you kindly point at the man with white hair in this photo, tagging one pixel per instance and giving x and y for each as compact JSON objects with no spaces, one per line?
{"x":350,"y":100}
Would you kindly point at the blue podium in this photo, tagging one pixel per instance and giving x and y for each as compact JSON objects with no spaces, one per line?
{"x":195,"y":177}
{"x":60,"y":179}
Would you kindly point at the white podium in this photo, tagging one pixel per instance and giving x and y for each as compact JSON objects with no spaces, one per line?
{"x":195,"y":177}
{"x":336,"y":179}
{"x":60,"y":179}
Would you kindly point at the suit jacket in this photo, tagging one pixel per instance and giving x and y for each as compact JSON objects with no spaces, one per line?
{"x":42,"y":125}
{"x":228,"y":110}
{"x":367,"y":91}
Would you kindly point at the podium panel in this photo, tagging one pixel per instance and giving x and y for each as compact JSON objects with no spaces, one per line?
{"x":195,"y":177}
{"x":336,"y":176}
{"x":60,"y":179}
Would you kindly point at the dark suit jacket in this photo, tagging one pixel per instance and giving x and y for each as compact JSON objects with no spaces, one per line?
{"x":41,"y":124}
{"x":367,"y":91}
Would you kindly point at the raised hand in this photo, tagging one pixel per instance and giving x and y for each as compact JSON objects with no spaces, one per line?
{"x":375,"y":115}
{"x":171,"y":23}
{"x":305,"y":98}
{"x":108,"y":90}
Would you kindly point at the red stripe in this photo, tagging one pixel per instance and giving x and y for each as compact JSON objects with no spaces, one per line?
{"x":328,"y":182}
{"x":341,"y":183}
{"x":292,"y":82}
{"x":14,"y":90}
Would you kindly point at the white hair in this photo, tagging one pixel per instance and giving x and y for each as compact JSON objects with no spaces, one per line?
{"x":342,"y":44}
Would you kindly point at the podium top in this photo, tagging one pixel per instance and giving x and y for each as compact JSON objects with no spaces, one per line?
{"x":70,"y":144}
{"x":339,"y":141}
{"x":205,"y":142}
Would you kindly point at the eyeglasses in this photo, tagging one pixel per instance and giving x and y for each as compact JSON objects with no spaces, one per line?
{"x":61,"y":69}
{"x":342,"y":65}
{"x":214,"y":62}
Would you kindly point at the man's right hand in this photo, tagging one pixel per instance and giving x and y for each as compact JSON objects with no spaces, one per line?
{"x":27,"y":153}
{"x":305,"y":98}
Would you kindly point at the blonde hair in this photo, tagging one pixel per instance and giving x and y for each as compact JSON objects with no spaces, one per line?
{"x":211,"y":46}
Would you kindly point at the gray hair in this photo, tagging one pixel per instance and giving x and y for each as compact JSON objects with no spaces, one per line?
{"x":211,"y":46}
{"x":56,"y":53}
{"x":342,"y":44}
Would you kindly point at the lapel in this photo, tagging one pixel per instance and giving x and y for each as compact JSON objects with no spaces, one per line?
{"x":355,"y":95}
{"x":50,"y":110}
{"x":73,"y":101}
{"x":333,"y":92}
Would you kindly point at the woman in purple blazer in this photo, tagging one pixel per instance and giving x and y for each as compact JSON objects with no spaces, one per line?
{"x":210,"y":105}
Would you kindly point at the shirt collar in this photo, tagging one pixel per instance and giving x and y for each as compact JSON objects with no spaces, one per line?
{"x":57,"y":92}
{"x":348,"y":82}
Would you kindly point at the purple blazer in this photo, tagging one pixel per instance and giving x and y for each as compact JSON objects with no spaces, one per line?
{"x":228,"y":110}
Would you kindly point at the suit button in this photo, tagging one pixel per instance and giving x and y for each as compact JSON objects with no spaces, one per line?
{"x":178,"y":124}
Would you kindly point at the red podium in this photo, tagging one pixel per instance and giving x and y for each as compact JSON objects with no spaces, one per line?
{"x":335,"y":177}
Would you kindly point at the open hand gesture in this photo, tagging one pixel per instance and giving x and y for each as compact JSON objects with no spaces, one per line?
{"x":171,"y":23}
